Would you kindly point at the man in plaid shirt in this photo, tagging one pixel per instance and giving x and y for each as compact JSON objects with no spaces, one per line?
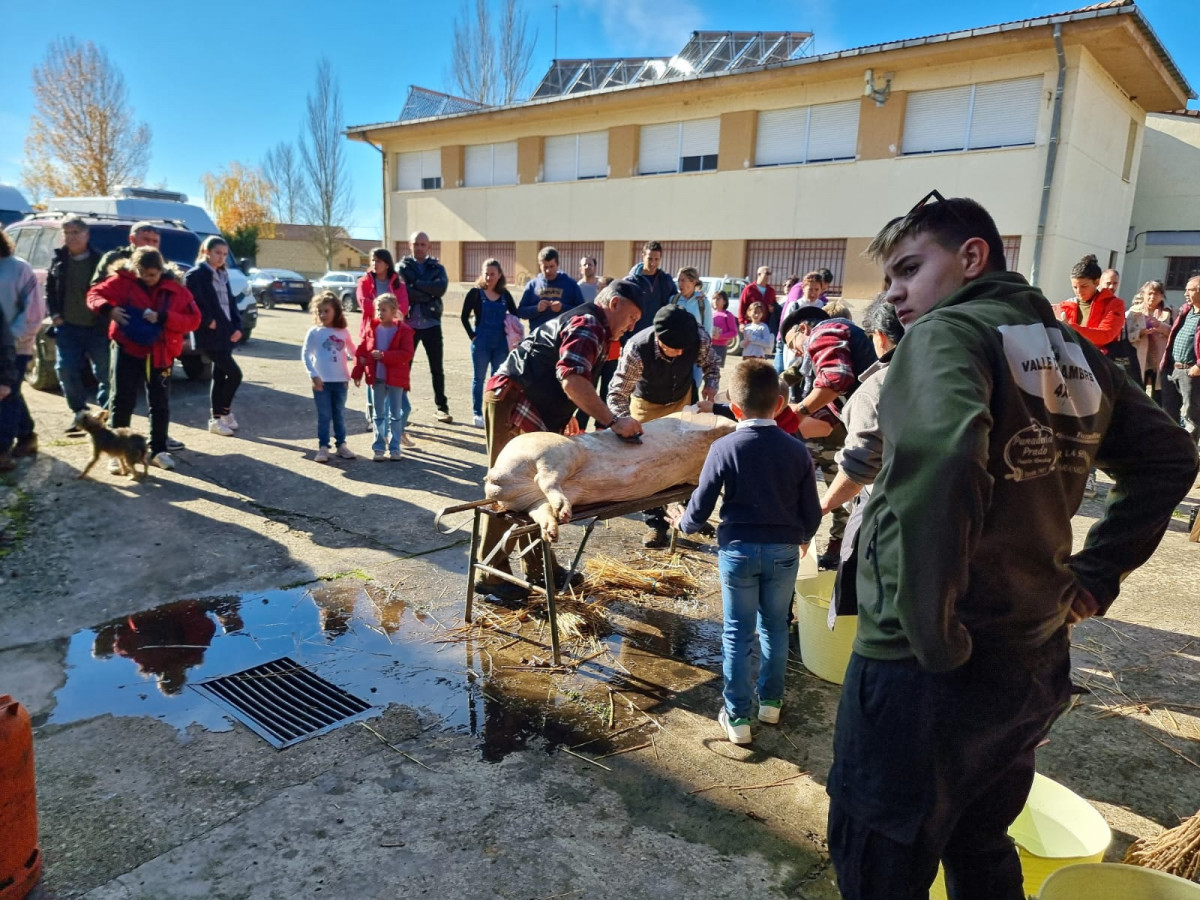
{"x":549,"y":376}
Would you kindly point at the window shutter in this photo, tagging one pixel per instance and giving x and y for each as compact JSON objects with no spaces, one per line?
{"x":833,"y":132}
{"x":1005,"y":113}
{"x":408,"y":171}
{"x":593,"y":155}
{"x":431,"y":163}
{"x":936,"y":120}
{"x":504,"y":163}
{"x":659,"y":149}
{"x":781,"y":135}
{"x":559,"y":162}
{"x":477,"y":165}
{"x":701,"y":137}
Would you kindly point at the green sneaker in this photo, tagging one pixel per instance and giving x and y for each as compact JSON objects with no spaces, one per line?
{"x":768,"y":711}
{"x":737,"y":730}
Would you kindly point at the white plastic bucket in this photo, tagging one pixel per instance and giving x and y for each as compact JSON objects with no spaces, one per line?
{"x":1112,"y":881}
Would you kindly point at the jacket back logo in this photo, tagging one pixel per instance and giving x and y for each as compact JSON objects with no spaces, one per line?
{"x":1046,"y":366}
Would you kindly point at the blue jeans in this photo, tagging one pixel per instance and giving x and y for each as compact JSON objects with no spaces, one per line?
{"x":331,"y":404}
{"x":76,"y":347}
{"x":757,"y":581}
{"x":15,"y":421}
{"x":391,"y":408}
{"x":485,"y":351}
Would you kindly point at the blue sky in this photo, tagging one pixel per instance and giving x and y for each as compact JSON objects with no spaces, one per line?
{"x":220,"y":82}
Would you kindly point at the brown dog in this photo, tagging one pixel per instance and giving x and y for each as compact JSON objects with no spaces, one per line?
{"x":124,"y":445}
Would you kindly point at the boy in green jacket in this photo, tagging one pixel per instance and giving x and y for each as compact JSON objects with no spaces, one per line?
{"x":992,"y":415}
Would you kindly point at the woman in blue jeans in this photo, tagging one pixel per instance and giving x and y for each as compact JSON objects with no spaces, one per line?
{"x":486,"y":304}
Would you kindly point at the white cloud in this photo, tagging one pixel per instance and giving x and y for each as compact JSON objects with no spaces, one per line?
{"x":645,"y":27}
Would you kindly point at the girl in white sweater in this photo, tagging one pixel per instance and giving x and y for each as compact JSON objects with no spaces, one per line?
{"x":327,"y":354}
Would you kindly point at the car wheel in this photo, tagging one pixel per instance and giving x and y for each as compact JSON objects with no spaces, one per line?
{"x":349,"y":303}
{"x":196,"y":367}
{"x":266,"y":301}
{"x":734,"y":347}
{"x":40,"y":374}
{"x":304,"y":306}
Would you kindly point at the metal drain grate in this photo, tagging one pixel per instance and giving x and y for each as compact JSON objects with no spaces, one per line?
{"x":283,"y":702}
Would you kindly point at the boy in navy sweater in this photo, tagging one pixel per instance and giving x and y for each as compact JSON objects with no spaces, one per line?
{"x":770,"y":510}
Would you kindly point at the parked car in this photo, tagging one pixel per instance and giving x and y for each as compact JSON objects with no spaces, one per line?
{"x":344,"y":284}
{"x":733,"y":287}
{"x":36,"y":237}
{"x":271,"y":286}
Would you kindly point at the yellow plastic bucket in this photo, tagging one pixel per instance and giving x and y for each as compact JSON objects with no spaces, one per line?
{"x":1057,"y":828}
{"x":1112,"y":881}
{"x":825,"y":653}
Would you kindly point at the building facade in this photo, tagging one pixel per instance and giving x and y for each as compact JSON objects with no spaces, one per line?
{"x":298,"y":247}
{"x":797,"y":164}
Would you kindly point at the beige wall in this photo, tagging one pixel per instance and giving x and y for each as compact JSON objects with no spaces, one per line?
{"x":622,"y":151}
{"x":728,"y":258}
{"x":880,"y":128}
{"x":305,"y":258}
{"x":618,"y":258}
{"x":529,"y":159}
{"x":738,"y":133}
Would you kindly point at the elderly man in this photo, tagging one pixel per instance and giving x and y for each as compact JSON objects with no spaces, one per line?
{"x":1181,"y":364}
{"x":551,"y":293}
{"x":990,"y":417}
{"x":426,"y":281}
{"x":81,"y":335}
{"x":654,"y":379}
{"x":589,"y":285}
{"x":831,"y":356}
{"x":142,"y":234}
{"x":551,"y":374}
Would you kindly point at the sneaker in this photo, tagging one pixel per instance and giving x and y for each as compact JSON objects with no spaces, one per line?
{"x":655,"y":538}
{"x":737,"y":730}
{"x":163,"y":461}
{"x":406,"y":441}
{"x":345,"y":452}
{"x":1089,"y":489}
{"x":229,"y":421}
{"x":174,"y":446}
{"x":477,"y":421}
{"x":768,"y":711}
{"x":395,"y":456}
{"x":74,"y":430}
{"x":27,"y":446}
{"x":379,"y":456}
{"x":216,"y":426}
{"x":114,"y":466}
{"x":322,"y":455}
{"x":444,"y":416}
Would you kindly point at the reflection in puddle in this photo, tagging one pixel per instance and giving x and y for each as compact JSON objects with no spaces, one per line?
{"x":374,"y":647}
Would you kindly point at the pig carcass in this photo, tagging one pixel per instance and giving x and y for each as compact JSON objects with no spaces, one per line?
{"x":548,"y":475}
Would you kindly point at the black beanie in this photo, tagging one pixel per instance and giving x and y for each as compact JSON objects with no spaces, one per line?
{"x":676,"y":328}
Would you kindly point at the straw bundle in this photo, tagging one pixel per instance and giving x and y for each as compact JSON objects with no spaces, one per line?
{"x":1176,"y":851}
{"x":611,"y":579}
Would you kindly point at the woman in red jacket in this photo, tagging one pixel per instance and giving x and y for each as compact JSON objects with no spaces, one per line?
{"x":149,"y":313}
{"x":1096,"y":313}
{"x":381,"y":278}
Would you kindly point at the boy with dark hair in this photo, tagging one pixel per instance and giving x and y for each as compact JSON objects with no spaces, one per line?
{"x":991,"y":416}
{"x":764,"y":519}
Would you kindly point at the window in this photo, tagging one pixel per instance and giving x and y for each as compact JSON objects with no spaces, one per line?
{"x":677,"y":254}
{"x":679,"y":147}
{"x":1130,"y":146}
{"x":1179,"y":270}
{"x":807,"y":134}
{"x":570,"y":252}
{"x":787,"y":258}
{"x":576,"y":157}
{"x":420,"y":170}
{"x":486,"y":165}
{"x":1012,"y":251}
{"x":973,"y":117}
{"x":48,"y":240}
{"x":475,"y":253}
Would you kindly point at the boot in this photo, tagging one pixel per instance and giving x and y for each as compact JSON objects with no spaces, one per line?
{"x":7,"y":463}
{"x":832,"y":555}
{"x":26,"y":446}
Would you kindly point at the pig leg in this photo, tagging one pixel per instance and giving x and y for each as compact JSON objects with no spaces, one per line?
{"x":550,"y":480}
{"x":543,"y":514}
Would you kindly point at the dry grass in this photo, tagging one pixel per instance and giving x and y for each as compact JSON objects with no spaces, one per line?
{"x":1176,"y":851}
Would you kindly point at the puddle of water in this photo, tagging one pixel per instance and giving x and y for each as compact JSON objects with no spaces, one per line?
{"x":372,"y":646}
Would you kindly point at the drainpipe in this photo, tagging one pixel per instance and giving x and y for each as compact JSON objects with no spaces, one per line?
{"x":383,"y":187}
{"x":1051,"y":156}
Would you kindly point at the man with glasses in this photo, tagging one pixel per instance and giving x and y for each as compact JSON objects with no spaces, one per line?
{"x":81,"y":336}
{"x":991,"y":416}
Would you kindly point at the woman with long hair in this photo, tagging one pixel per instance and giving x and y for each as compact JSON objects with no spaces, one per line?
{"x":220,"y":329}
{"x":486,"y":305}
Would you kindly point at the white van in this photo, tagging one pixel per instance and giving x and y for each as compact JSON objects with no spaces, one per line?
{"x":12,"y":205}
{"x":147,"y":203}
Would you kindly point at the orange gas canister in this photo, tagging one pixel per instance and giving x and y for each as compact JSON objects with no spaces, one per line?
{"x":20,"y":856}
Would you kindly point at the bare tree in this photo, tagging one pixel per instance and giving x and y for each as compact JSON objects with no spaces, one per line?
{"x":82,"y":137}
{"x":282,"y":169}
{"x":327,"y":199}
{"x":492,"y":54}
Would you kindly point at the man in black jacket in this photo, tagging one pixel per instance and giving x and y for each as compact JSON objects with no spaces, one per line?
{"x":656,"y":286}
{"x":426,"y":281}
{"x":81,"y":335}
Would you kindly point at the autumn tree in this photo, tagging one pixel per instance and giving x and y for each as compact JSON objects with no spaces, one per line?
{"x":491,"y":53}
{"x":82,"y":135}
{"x":239,"y":198}
{"x":281,"y":166}
{"x":327,"y":198}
